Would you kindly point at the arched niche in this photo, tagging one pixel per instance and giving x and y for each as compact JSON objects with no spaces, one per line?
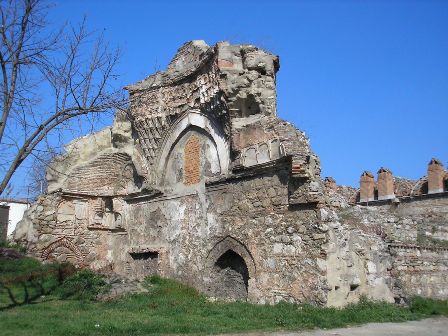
{"x":63,"y":249}
{"x":229,"y":267}
{"x":200,"y":140}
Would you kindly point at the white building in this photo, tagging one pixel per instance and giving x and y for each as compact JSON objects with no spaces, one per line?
{"x":16,"y":211}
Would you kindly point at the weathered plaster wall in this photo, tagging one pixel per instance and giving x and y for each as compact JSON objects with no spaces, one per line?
{"x":253,"y":211}
{"x":358,"y":263}
{"x":414,"y":235}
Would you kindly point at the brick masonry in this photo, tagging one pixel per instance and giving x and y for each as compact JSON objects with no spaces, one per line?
{"x":192,"y":159}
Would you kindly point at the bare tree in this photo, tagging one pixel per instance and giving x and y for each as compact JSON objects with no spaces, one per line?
{"x":70,"y":65}
{"x":37,"y":173}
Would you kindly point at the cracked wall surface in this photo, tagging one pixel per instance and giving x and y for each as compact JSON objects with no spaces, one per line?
{"x":200,"y":181}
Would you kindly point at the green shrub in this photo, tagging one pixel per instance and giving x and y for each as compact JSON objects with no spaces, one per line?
{"x":8,"y":244}
{"x":10,"y":268}
{"x":164,"y":287}
{"x":155,"y":280}
{"x":24,"y":280}
{"x":419,"y":305}
{"x":83,"y":285}
{"x":170,"y":307}
{"x":27,"y":269}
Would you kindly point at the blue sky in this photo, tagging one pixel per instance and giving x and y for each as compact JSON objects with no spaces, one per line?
{"x":366,"y":80}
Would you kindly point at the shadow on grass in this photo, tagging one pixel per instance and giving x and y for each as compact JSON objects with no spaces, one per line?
{"x":170,"y":307}
{"x":30,"y":292}
{"x":24,"y":280}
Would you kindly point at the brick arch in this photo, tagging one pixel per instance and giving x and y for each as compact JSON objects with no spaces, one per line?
{"x":63,"y":242}
{"x":232,"y":244}
{"x":194,"y":119}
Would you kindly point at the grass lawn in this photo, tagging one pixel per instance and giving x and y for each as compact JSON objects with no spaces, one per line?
{"x":170,"y":307}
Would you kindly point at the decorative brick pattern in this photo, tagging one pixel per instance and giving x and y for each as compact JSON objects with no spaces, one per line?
{"x":108,"y":173}
{"x":74,"y":252}
{"x":192,"y":161}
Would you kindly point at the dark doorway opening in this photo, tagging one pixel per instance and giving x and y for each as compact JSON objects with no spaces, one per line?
{"x":144,"y":263}
{"x":145,"y":255}
{"x":232,"y":276}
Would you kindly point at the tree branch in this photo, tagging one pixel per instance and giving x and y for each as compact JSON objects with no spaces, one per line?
{"x":31,"y":61}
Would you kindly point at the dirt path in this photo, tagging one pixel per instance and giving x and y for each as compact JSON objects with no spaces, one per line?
{"x":428,"y":327}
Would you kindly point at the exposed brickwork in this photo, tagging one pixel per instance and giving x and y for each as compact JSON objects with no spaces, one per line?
{"x":71,"y":250}
{"x":389,"y":186}
{"x":367,"y":187}
{"x":403,"y":186}
{"x":192,"y":161}
{"x":385,"y":184}
{"x":422,"y":271}
{"x":417,"y":237}
{"x":436,"y":175}
{"x":178,"y":93}
{"x":108,"y":173}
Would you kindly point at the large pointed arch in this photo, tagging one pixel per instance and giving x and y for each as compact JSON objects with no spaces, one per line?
{"x":194,"y":119}
{"x":232,"y":244}
{"x":230,"y":270}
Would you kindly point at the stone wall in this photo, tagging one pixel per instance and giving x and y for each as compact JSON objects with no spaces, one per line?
{"x":414,"y":236}
{"x":357,"y":263}
{"x":420,"y":270}
{"x":72,"y":227}
{"x":251,"y":212}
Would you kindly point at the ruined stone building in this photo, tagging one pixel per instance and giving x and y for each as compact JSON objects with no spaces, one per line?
{"x":200,"y":181}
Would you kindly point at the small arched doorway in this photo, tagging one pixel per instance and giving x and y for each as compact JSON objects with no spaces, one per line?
{"x":231,"y":276}
{"x":230,"y":270}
